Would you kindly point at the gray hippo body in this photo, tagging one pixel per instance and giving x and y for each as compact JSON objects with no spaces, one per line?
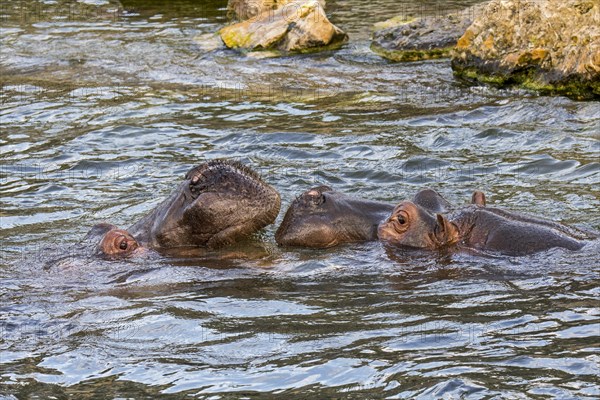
{"x":477,"y":227}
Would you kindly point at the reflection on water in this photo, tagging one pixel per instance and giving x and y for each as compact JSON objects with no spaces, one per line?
{"x":105,"y":105}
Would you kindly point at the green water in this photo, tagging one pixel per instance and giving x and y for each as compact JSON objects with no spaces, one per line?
{"x":105,"y":106}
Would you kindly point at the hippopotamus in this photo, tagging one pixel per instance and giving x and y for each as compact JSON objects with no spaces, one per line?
{"x":218,"y":203}
{"x":478,"y":228}
{"x":322,"y":217}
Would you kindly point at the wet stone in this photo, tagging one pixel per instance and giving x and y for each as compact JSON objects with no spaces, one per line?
{"x":413,"y":39}
{"x":549,"y":46}
{"x":298,"y":26}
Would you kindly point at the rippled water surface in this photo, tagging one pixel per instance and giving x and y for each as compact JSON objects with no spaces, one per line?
{"x":104,"y":106}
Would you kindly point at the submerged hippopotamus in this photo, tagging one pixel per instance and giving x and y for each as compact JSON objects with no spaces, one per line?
{"x":478,"y":228}
{"x":218,"y":203}
{"x":322,"y":217}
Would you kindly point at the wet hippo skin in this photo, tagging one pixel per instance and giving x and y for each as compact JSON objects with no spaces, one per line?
{"x":322,"y":217}
{"x":218,"y":203}
{"x":476,"y":227}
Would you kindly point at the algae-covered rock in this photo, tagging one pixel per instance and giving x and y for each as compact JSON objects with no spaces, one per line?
{"x":551,"y":46}
{"x":297,"y":26}
{"x":242,"y":10}
{"x":401,"y":39}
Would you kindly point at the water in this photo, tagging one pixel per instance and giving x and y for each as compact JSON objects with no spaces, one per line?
{"x":105,"y":106}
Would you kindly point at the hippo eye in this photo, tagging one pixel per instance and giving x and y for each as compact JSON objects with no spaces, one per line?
{"x":123,"y":245}
{"x":314,"y":196}
{"x":402,"y":218}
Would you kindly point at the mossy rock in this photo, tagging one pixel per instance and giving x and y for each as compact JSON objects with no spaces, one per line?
{"x":556,"y":52}
{"x":413,"y":39}
{"x":299,"y":26}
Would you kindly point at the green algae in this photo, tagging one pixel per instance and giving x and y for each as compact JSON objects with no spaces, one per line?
{"x":411,"y":55}
{"x":530,"y":79}
{"x":233,"y":38}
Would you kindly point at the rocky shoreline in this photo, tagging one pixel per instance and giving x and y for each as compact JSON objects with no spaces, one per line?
{"x":552,"y":46}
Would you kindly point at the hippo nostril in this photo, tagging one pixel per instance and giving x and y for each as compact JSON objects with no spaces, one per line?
{"x":195,"y":187}
{"x":199,"y":183}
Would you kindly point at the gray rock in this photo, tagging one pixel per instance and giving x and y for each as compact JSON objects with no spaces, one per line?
{"x":421,"y":38}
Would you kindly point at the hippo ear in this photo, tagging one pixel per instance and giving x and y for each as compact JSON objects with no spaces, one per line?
{"x":445,"y":231}
{"x":478,"y":198}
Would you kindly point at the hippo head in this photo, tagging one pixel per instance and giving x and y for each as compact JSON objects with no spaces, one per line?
{"x":308,"y":217}
{"x":322,"y":217}
{"x":218,"y":203}
{"x":411,"y":225}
